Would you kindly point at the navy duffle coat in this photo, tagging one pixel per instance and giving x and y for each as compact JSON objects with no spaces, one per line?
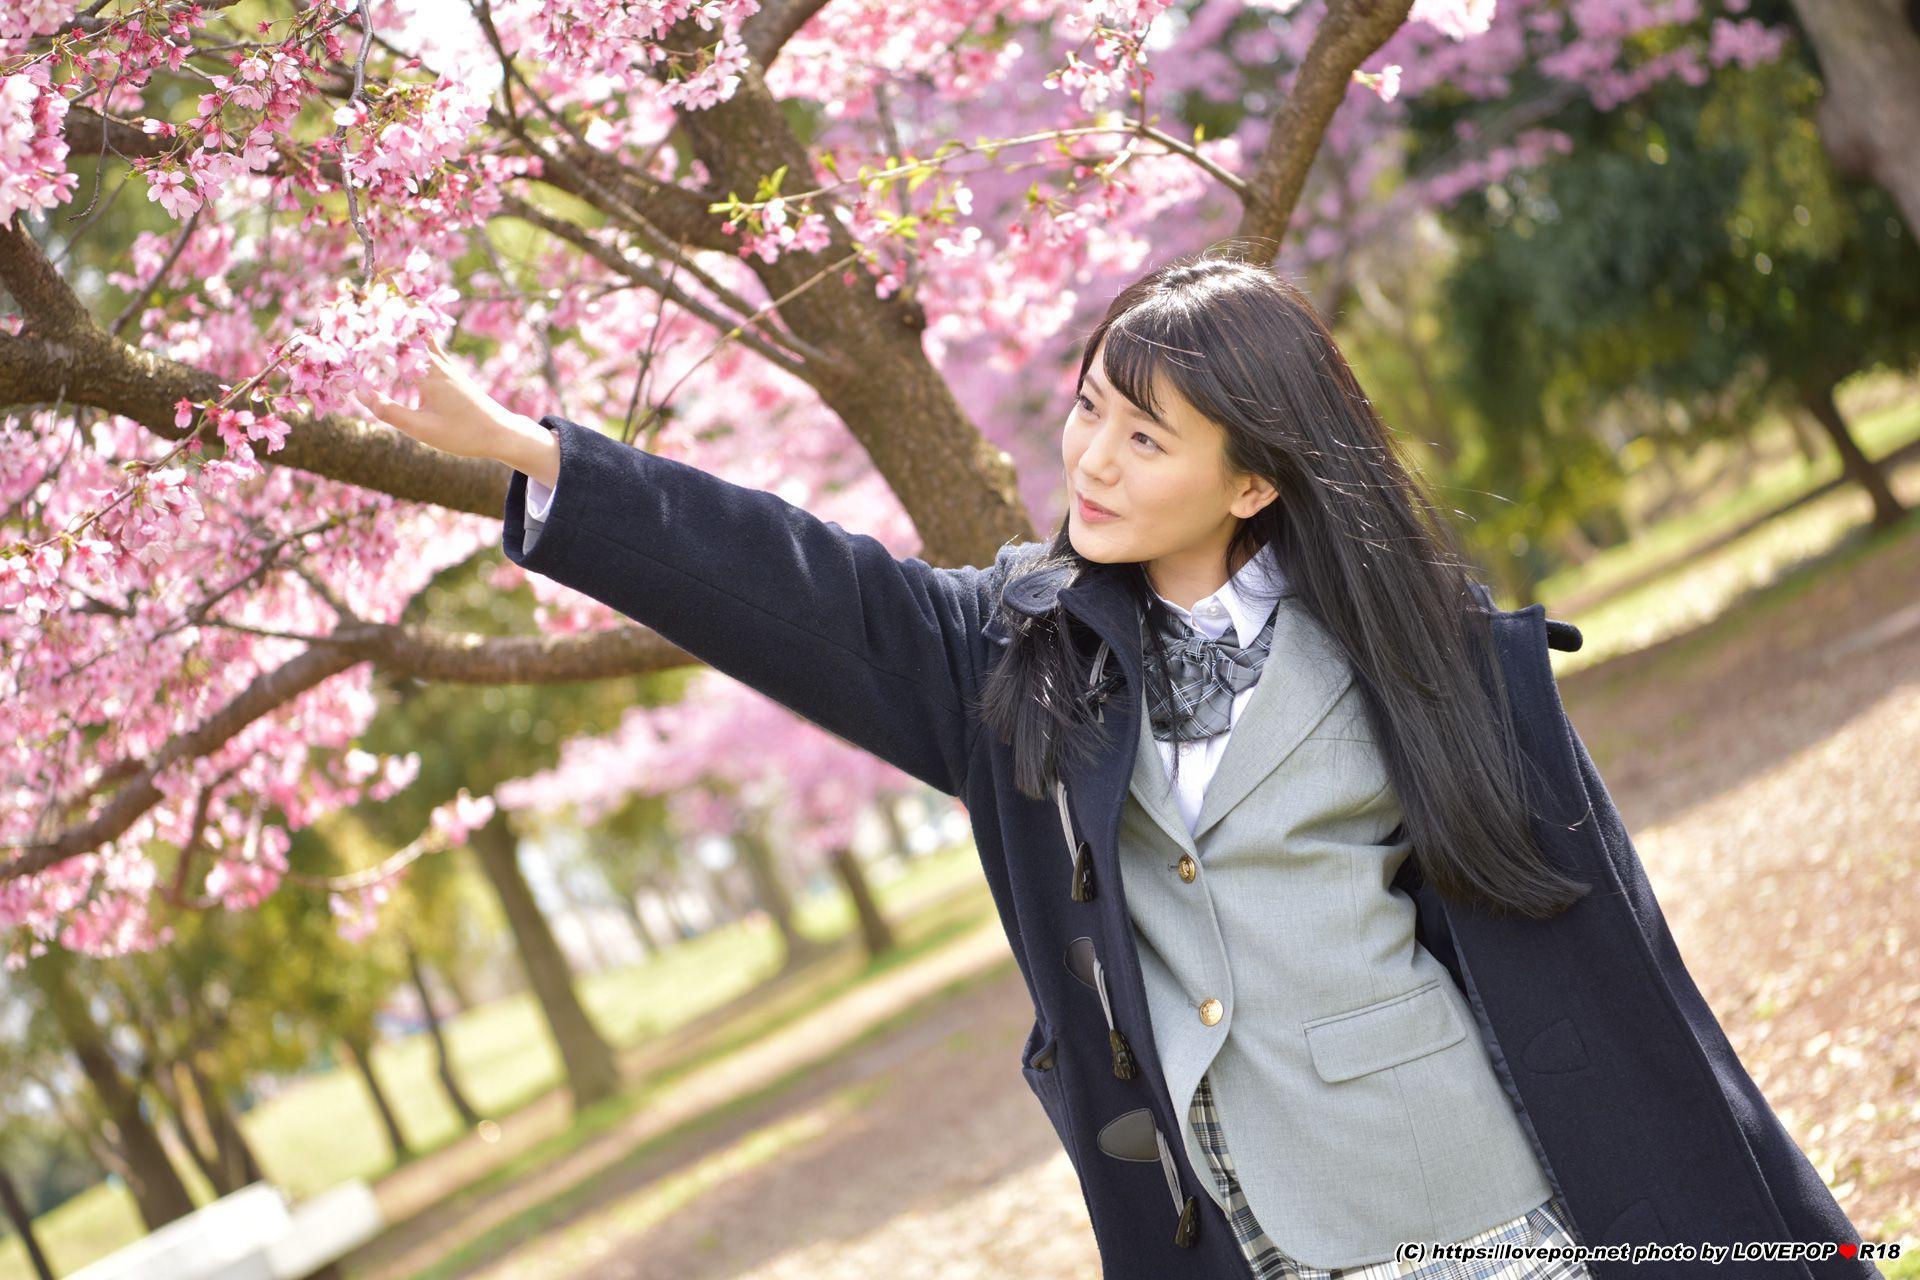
{"x":1643,"y":1117}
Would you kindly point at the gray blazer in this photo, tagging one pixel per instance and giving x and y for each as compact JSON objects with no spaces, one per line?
{"x":1359,"y":1108}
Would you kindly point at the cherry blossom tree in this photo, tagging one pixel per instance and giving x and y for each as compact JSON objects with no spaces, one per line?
{"x":800,"y":781}
{"x":836,"y":251}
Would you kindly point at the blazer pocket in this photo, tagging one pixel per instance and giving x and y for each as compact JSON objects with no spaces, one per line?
{"x":1383,"y":1034}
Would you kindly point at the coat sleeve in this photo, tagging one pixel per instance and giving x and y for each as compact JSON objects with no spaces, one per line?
{"x":879,"y":650}
{"x":1805,"y":1202}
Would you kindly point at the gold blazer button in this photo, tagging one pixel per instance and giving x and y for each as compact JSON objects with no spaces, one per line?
{"x":1187,"y":870}
{"x":1211,"y":1011}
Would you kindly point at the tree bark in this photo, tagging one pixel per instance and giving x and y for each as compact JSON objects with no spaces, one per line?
{"x":1806,"y":435}
{"x":737,"y":888}
{"x":598,"y":960}
{"x":630,"y":907}
{"x":593,"y":1074}
{"x":875,"y":933}
{"x":1859,"y":468}
{"x":770,"y":887}
{"x":1869,"y":55}
{"x":23,"y":1226}
{"x":236,"y":1154}
{"x":189,"y":1125}
{"x":712,"y":905}
{"x":193,"y":1131}
{"x":667,"y":891}
{"x":359,"y":1051}
{"x":462,"y":994}
{"x":899,"y":847}
{"x":443,"y":1061}
{"x":156,"y":1185}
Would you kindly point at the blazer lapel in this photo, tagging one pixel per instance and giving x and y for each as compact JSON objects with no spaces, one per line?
{"x":1151,"y":786}
{"x":1304,"y":675}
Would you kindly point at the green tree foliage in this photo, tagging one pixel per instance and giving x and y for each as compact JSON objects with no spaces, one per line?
{"x":1693,"y":262}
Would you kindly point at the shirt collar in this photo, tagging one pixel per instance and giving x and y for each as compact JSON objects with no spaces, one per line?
{"x":1247,"y":598}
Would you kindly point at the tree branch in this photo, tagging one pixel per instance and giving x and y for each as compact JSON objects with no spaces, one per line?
{"x":766,"y":32}
{"x":397,"y":650}
{"x":1350,"y":32}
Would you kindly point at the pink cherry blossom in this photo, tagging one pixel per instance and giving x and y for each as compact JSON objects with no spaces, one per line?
{"x":158,"y":571}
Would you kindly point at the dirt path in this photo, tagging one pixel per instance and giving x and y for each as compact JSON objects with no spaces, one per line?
{"x":592,"y":1170}
{"x":921,"y":1155}
{"x":1769,"y":783}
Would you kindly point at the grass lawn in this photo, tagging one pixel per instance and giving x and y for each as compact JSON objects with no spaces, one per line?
{"x":1701,"y":588}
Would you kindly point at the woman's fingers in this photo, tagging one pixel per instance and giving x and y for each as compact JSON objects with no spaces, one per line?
{"x":388,"y":410}
{"x":453,"y":416}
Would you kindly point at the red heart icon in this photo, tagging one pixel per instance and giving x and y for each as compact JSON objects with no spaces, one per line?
{"x":1848,"y":1250}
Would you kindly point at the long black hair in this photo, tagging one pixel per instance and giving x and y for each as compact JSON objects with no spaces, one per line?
{"x":1361,"y":546}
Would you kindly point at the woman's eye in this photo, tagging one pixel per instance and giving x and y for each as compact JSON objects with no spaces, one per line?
{"x":1141,"y":435}
{"x":1083,"y":402}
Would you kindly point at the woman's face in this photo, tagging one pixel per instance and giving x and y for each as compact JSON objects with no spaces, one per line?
{"x":1166,"y":481}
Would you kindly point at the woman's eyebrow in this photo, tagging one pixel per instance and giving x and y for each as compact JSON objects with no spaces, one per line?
{"x":1133,"y":408}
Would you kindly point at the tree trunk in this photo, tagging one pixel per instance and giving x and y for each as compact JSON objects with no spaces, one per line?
{"x":1859,"y":468}
{"x":875,"y":934}
{"x":151,"y":1177}
{"x":191,"y":1124}
{"x":235,"y":1152}
{"x":359,"y":1050}
{"x":771,"y":890}
{"x":188,"y":1124}
{"x":582,"y":913}
{"x":1869,"y":56}
{"x":92,"y":1131}
{"x":194,"y":1134}
{"x":738,"y":883}
{"x":443,"y":1061}
{"x":684,"y":925}
{"x":899,"y":847}
{"x":1807,"y":435}
{"x":712,"y":906}
{"x":462,"y":994}
{"x":593,"y":1075}
{"x":23,"y":1226}
{"x":630,"y":908}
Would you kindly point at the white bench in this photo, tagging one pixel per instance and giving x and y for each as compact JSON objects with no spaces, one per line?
{"x":252,"y":1234}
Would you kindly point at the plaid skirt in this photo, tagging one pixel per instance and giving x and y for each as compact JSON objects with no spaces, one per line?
{"x":1544,"y":1225}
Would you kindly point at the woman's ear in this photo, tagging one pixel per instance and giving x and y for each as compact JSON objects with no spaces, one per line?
{"x":1255,"y":493}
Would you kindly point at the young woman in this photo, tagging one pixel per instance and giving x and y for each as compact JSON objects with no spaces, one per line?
{"x":1337,"y":949}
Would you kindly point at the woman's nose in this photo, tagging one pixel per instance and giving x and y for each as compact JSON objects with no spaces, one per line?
{"x":1097,"y":459}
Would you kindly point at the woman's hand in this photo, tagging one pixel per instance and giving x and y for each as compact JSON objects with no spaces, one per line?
{"x":455,"y":416}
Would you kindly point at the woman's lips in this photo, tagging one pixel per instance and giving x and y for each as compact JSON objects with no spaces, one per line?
{"x":1089,"y":511}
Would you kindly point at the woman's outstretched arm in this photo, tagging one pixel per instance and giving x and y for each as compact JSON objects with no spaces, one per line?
{"x":876,"y":649}
{"x":828,"y":623}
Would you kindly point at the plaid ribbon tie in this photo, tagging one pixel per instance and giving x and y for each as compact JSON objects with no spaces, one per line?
{"x":1202,"y":676}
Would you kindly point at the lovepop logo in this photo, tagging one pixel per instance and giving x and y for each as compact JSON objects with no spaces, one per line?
{"x":1803,"y":1250}
{"x":1416,"y":1251}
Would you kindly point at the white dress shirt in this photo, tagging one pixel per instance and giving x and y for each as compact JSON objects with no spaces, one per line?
{"x":1243,"y":603}
{"x":539,"y":498}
